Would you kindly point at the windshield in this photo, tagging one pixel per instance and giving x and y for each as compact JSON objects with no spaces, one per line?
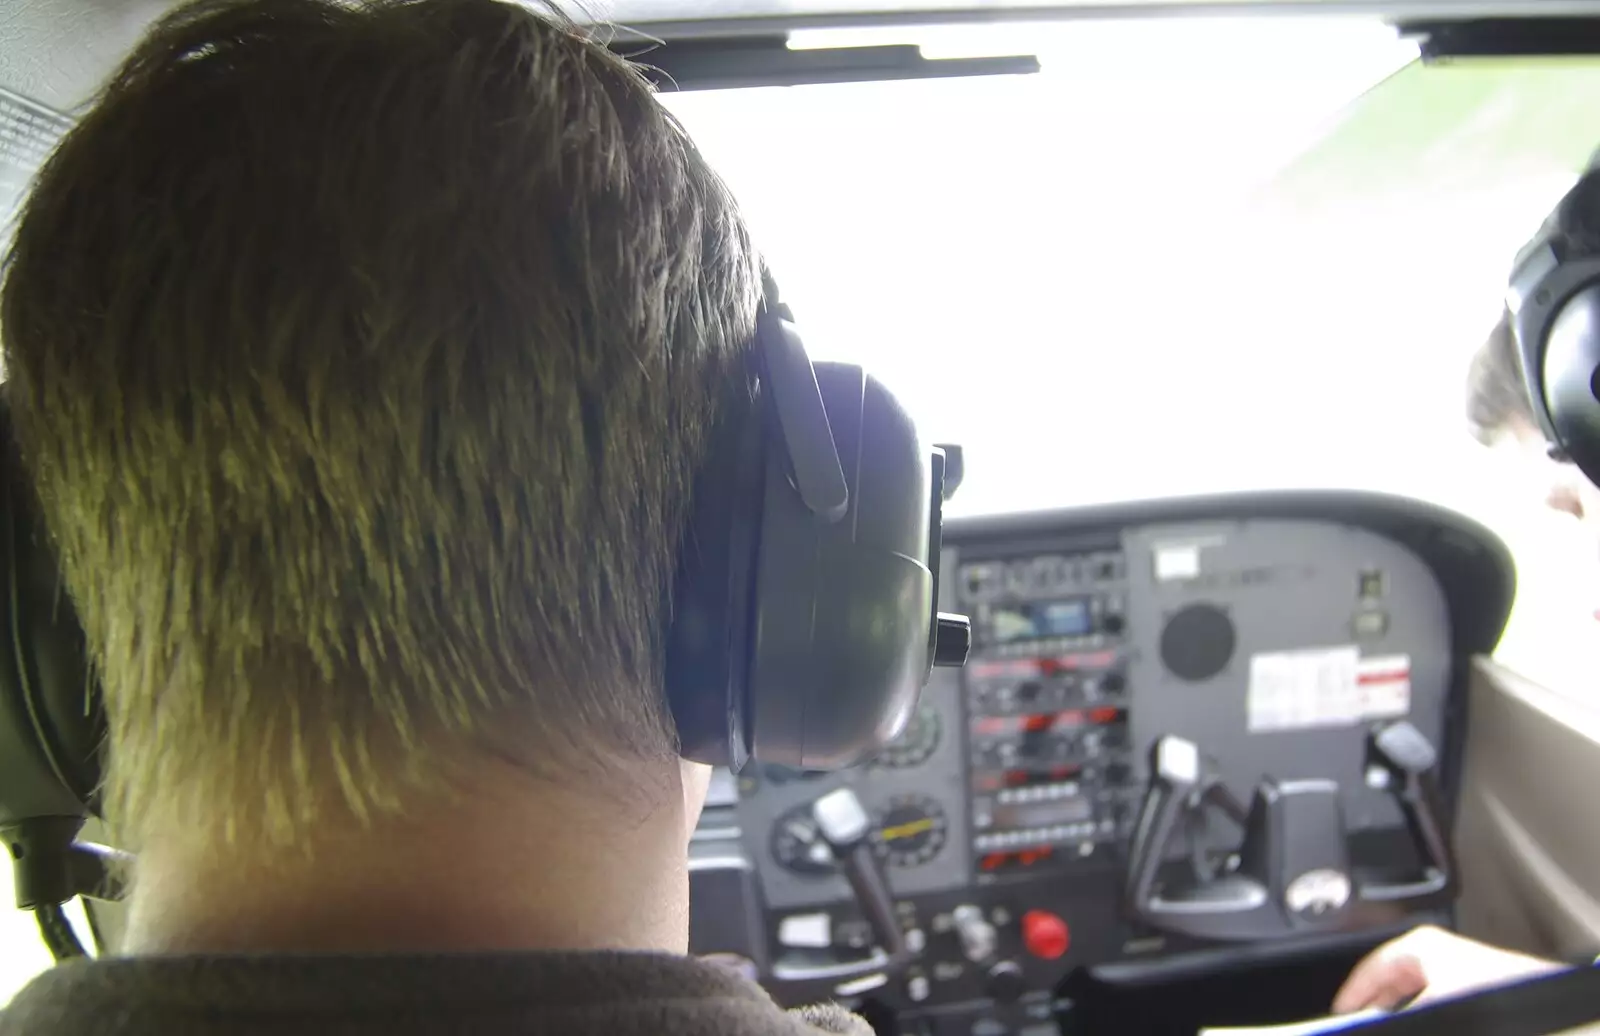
{"x":1186,"y":257}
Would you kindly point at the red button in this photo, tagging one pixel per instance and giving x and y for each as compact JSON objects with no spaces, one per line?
{"x":1045,"y":934}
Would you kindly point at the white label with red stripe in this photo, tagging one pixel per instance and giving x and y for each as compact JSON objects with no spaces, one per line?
{"x":1325,"y":687}
{"x":1296,"y":690}
{"x":1384,"y":686}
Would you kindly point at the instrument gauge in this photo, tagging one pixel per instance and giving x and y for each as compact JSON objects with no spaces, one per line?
{"x":911,"y":830}
{"x":798,"y":845}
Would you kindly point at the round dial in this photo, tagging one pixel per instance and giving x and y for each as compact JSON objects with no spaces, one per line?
{"x":911,"y":831}
{"x":915,"y":743}
{"x":798,"y":845}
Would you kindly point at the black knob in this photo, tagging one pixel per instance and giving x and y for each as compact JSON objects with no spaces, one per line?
{"x":1112,"y":624}
{"x":1006,"y":983}
{"x":1113,"y":683}
{"x":1029,"y":689}
{"x":952,"y":640}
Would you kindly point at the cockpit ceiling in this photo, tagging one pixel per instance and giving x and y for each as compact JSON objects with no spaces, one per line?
{"x":673,"y":18}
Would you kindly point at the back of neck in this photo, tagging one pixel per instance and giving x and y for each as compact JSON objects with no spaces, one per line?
{"x":511,"y":863}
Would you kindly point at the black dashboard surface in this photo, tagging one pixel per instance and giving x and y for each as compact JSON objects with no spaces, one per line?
{"x":1271,"y":630}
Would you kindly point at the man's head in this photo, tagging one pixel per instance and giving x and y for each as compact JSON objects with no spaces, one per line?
{"x":1499,"y":413}
{"x":363,"y":357}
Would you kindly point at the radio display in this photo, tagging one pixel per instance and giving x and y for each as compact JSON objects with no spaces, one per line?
{"x":1040,"y":619}
{"x":1043,"y":814}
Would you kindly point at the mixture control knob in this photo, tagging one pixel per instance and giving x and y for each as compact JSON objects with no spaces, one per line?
{"x":1005,"y":982}
{"x":977,"y":934}
{"x":1045,"y":935}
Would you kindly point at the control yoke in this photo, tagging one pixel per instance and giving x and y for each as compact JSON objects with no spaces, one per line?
{"x":1292,"y":872}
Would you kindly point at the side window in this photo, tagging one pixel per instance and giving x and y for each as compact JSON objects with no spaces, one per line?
{"x":1553,"y":637}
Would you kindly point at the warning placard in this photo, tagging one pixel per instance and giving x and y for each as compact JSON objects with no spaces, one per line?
{"x":1295,"y":690}
{"x":28,"y":133}
{"x":1384,"y":685}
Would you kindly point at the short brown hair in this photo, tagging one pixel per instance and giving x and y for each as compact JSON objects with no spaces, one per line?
{"x":1497,"y":401}
{"x":363,"y":355}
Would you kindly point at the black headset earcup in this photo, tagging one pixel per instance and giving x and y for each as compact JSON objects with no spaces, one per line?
{"x":803,"y":615}
{"x":707,"y":663}
{"x":51,"y":720}
{"x":1569,"y":368}
{"x":840,"y":623}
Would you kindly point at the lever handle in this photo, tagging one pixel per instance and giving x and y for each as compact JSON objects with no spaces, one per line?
{"x":1401,"y":758}
{"x":1174,"y":774}
{"x":871,"y":886}
{"x":844,"y":823}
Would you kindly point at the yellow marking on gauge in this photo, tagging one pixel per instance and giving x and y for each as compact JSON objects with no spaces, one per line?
{"x":907,"y":830}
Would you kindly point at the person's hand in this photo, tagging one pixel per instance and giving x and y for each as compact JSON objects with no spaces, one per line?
{"x":1431,"y":964}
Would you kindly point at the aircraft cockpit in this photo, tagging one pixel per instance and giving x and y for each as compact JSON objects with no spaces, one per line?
{"x":1186,"y":731}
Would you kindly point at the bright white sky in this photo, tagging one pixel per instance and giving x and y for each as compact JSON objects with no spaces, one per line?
{"x":1065,"y":272}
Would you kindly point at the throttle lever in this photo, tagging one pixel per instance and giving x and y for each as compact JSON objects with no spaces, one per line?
{"x":845,"y":825}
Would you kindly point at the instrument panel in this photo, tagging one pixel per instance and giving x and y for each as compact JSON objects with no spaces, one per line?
{"x":1272,"y":632}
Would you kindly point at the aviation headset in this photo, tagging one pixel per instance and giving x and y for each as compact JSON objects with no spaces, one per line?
{"x":804,"y":625}
{"x":1554,"y":304}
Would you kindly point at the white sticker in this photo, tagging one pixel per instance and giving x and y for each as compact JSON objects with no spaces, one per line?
{"x":1294,"y":690}
{"x":1384,"y":682}
{"x":1177,"y":561}
{"x":813,"y":931}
